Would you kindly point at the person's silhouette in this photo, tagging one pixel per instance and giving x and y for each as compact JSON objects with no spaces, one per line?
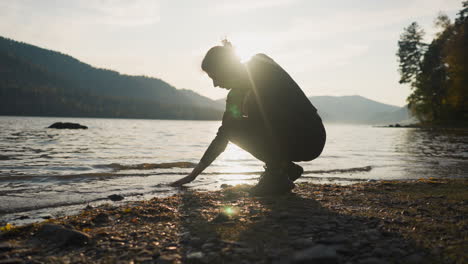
{"x":267,"y":114}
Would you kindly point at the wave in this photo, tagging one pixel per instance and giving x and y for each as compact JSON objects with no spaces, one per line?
{"x":356,"y":169}
{"x":145,"y":166}
{"x":148,"y":166}
{"x":5,"y":157}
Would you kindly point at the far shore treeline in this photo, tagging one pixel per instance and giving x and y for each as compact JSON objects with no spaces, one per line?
{"x":40,"y":82}
{"x":438,"y":71}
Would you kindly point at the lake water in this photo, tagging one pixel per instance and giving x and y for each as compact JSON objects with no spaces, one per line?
{"x":47,"y":172}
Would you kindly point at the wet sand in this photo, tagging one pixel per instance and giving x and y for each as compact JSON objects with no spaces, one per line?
{"x":421,"y":221}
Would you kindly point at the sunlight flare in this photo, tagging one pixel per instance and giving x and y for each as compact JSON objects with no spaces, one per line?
{"x":246,"y":47}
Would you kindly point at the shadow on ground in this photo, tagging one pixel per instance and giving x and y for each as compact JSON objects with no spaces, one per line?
{"x":234,"y":228}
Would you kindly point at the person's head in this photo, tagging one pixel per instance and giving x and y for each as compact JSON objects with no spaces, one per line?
{"x":224,"y":67}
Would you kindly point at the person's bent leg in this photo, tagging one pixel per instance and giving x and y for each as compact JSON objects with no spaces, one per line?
{"x":303,"y":142}
{"x":257,"y":141}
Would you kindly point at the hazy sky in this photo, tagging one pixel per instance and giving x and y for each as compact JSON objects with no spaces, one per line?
{"x":329,"y":47}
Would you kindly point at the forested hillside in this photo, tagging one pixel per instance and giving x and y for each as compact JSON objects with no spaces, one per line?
{"x":437,"y":71}
{"x":40,"y":82}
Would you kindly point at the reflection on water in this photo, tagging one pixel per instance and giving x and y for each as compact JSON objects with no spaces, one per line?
{"x":44,"y":168}
{"x":435,"y":152}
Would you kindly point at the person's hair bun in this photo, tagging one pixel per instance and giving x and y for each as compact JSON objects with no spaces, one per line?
{"x":226,"y":43}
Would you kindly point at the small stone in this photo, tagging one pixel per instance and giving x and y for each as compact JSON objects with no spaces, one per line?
{"x":115,"y":197}
{"x":380,"y":252}
{"x":145,"y":253}
{"x":284,"y":215}
{"x":167,"y":259}
{"x":11,"y":261}
{"x":372,"y":261}
{"x":338,"y":239}
{"x":244,"y":251}
{"x":117,"y":239}
{"x":62,"y":236}
{"x":6,"y":246}
{"x":224,"y":186}
{"x":220,"y":218}
{"x":144,"y":260}
{"x":317,"y":254}
{"x":343,"y":249}
{"x":234,"y":243}
{"x":195,"y":241}
{"x":303,"y":242}
{"x":414,"y":258}
{"x":195,"y":255}
{"x":101,"y":218}
{"x":207,"y":246}
{"x":397,"y":252}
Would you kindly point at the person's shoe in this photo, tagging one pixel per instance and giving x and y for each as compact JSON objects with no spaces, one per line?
{"x":272,"y":183}
{"x":294,"y":171}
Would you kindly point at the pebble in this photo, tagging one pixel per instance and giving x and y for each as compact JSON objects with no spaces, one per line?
{"x":11,"y":261}
{"x":234,"y":243}
{"x":380,"y":252}
{"x":317,"y":254}
{"x":303,"y":242}
{"x":337,"y":239}
{"x":207,"y":246}
{"x":195,"y":255}
{"x":220,"y":218}
{"x":144,"y":260}
{"x":167,"y":259}
{"x":372,"y":260}
{"x":6,"y":246}
{"x":242,"y":250}
{"x":62,"y":236}
{"x":413,"y":258}
{"x":101,"y":218}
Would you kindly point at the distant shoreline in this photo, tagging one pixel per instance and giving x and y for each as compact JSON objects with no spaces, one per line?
{"x":98,"y":117}
{"x":454,"y":125}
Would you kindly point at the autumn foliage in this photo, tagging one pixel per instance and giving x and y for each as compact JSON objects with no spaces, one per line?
{"x":437,"y":72}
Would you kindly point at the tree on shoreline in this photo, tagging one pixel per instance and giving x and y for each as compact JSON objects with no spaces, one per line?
{"x":437,"y":72}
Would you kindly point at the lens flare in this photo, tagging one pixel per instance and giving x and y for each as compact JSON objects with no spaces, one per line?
{"x":230,"y":211}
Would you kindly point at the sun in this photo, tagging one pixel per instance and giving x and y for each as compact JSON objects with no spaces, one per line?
{"x":245,"y":47}
{"x":244,"y":53}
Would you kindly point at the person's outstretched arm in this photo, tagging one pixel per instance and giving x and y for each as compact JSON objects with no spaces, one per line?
{"x":217,"y":146}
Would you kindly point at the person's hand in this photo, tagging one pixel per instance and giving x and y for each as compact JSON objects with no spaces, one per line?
{"x":183,"y":181}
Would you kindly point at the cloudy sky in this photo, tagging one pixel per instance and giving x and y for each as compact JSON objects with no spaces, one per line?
{"x":332,"y":47}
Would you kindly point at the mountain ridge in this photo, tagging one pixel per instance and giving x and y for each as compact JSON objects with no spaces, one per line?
{"x":87,"y":88}
{"x":357,"y":109}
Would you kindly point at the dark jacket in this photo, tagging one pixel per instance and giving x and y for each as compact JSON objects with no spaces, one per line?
{"x":274,"y":104}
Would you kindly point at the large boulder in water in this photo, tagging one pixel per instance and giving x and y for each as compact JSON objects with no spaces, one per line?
{"x":66,"y":125}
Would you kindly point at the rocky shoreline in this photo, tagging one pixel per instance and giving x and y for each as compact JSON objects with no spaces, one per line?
{"x":420,"y":221}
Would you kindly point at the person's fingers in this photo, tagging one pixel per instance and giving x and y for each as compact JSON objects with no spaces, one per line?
{"x":177,"y":183}
{"x":174,"y":184}
{"x":181,"y":181}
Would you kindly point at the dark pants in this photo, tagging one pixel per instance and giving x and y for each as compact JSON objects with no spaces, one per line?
{"x":284,"y":142}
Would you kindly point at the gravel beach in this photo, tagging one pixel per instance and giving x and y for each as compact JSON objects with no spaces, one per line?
{"x":421,"y":221}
